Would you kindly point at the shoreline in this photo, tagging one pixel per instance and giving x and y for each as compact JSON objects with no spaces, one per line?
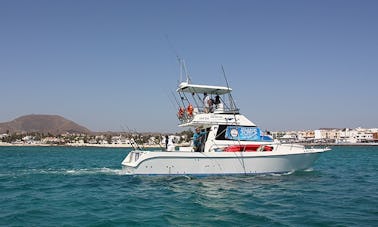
{"x":2,"y":144}
{"x":75,"y":145}
{"x":340,"y":144}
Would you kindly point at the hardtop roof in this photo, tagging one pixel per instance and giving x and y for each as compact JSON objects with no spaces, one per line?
{"x":196,"y":88}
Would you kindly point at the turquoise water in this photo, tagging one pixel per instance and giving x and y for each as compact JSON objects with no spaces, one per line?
{"x":60,"y":186}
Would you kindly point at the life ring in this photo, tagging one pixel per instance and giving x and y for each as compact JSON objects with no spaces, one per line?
{"x":190,"y":110}
{"x":180,"y":113}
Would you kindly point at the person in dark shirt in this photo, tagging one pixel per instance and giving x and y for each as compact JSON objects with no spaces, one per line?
{"x":197,"y":140}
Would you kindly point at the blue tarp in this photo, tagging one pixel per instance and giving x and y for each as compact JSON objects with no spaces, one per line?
{"x":245,"y":134}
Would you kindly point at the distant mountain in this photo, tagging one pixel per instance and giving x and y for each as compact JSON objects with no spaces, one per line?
{"x":53,"y":124}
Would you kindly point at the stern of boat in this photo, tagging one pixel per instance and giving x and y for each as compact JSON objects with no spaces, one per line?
{"x":131,"y":161}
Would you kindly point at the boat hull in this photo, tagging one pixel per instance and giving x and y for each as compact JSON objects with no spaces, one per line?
{"x":221,"y":163}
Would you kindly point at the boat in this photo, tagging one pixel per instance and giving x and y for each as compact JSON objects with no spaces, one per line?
{"x":231,"y":143}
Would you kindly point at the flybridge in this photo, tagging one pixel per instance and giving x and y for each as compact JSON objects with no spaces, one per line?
{"x":199,"y":103}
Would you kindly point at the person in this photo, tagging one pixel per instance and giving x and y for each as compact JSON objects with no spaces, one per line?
{"x":207,"y":103}
{"x":217,"y":100}
{"x":166,"y":142}
{"x":206,"y":100}
{"x":218,"y":103}
{"x":170,"y":145}
{"x":198,"y":138}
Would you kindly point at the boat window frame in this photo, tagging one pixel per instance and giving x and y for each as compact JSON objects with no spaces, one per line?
{"x":221,"y":132}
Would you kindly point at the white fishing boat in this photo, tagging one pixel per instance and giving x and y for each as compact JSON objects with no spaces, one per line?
{"x":231,"y":144}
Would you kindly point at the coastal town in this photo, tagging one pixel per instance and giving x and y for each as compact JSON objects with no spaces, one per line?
{"x":329,"y":136}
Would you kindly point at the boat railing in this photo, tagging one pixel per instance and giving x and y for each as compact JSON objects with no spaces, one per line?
{"x":133,"y":156}
{"x":186,"y":114}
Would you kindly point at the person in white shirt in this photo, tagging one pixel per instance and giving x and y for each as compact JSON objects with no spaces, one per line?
{"x":206,"y":102}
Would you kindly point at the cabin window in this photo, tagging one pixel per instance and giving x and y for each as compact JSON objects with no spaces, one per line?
{"x":238,"y":133}
{"x":221,"y":132}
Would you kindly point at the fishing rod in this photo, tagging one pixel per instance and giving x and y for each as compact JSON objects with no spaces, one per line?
{"x":130,"y":134}
{"x":182,"y":98}
{"x":133,"y":139}
{"x":189,"y":80}
{"x":170,"y":100}
{"x":180,"y":60}
{"x":173,"y":48}
{"x":232,"y":103}
{"x":139,"y":138}
{"x":182,"y":108}
{"x":174,"y":96}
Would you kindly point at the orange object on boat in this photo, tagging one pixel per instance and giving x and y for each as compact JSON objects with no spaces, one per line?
{"x":180,"y":112}
{"x":190,"y":110}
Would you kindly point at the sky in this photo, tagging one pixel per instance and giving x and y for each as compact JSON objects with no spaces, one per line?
{"x":110,"y":65}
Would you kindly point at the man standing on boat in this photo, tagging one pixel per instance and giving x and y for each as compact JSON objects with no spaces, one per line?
{"x":198,"y":138}
{"x":206,"y":102}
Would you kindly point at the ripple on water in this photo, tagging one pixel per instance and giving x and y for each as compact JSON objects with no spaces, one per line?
{"x":55,"y":186}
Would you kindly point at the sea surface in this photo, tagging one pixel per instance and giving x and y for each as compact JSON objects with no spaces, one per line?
{"x":79,"y":186}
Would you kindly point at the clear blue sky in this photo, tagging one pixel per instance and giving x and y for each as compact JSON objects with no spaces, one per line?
{"x":108,"y":64}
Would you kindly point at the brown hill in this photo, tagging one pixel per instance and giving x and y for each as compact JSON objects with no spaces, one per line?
{"x":53,"y":124}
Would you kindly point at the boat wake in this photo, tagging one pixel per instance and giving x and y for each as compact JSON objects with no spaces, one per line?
{"x":309,"y":169}
{"x":68,"y":172}
{"x":104,"y":170}
{"x":282,"y":174}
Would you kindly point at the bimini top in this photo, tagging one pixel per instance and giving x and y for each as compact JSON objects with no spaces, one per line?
{"x":195,"y":88}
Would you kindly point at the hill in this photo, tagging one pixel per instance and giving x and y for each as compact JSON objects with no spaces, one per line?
{"x":53,"y":124}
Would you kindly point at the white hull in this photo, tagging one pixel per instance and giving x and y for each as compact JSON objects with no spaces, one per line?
{"x":210,"y":163}
{"x":228,"y":141}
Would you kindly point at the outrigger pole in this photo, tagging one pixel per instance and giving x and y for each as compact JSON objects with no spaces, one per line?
{"x":232,"y":102}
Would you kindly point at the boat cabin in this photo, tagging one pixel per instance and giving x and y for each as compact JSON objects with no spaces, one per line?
{"x":223,"y":124}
